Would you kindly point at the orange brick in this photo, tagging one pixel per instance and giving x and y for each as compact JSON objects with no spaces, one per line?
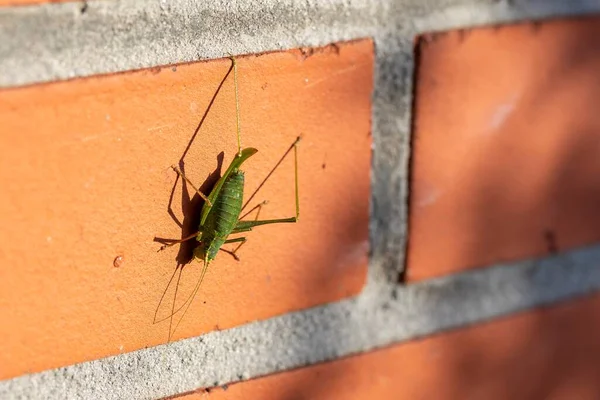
{"x":84,"y":168}
{"x":505,"y":148}
{"x":543,"y":354}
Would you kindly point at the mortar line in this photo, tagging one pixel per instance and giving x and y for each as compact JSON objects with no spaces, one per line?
{"x":56,"y":41}
{"x":341,"y":329}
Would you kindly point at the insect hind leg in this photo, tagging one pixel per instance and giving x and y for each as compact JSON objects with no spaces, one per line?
{"x":293,"y":147}
{"x":259,"y":206}
{"x":243,"y":226}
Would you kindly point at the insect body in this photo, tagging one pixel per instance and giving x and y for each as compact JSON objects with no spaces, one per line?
{"x":220,"y":216}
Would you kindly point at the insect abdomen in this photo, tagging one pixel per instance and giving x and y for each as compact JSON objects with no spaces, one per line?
{"x":228,"y":204}
{"x":224,"y":214}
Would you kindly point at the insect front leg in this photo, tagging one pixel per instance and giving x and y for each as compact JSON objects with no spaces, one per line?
{"x":173,"y":242}
{"x":202,"y":195}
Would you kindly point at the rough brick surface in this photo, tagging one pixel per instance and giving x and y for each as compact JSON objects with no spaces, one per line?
{"x":504,"y":162}
{"x":544,"y":354}
{"x":86,"y":179}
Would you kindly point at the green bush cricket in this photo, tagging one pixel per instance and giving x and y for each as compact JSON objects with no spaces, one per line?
{"x":220,"y":214}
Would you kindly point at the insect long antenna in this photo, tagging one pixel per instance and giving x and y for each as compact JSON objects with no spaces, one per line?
{"x":173,"y":306}
{"x":237,"y":106}
{"x":173,"y":312}
{"x":154,"y":321}
{"x":191,"y":298}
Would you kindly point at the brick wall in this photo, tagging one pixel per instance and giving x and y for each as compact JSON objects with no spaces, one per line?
{"x":447,"y":241}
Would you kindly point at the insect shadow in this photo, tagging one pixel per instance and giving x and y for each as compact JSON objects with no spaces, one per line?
{"x":191,"y":209}
{"x":191,"y":206}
